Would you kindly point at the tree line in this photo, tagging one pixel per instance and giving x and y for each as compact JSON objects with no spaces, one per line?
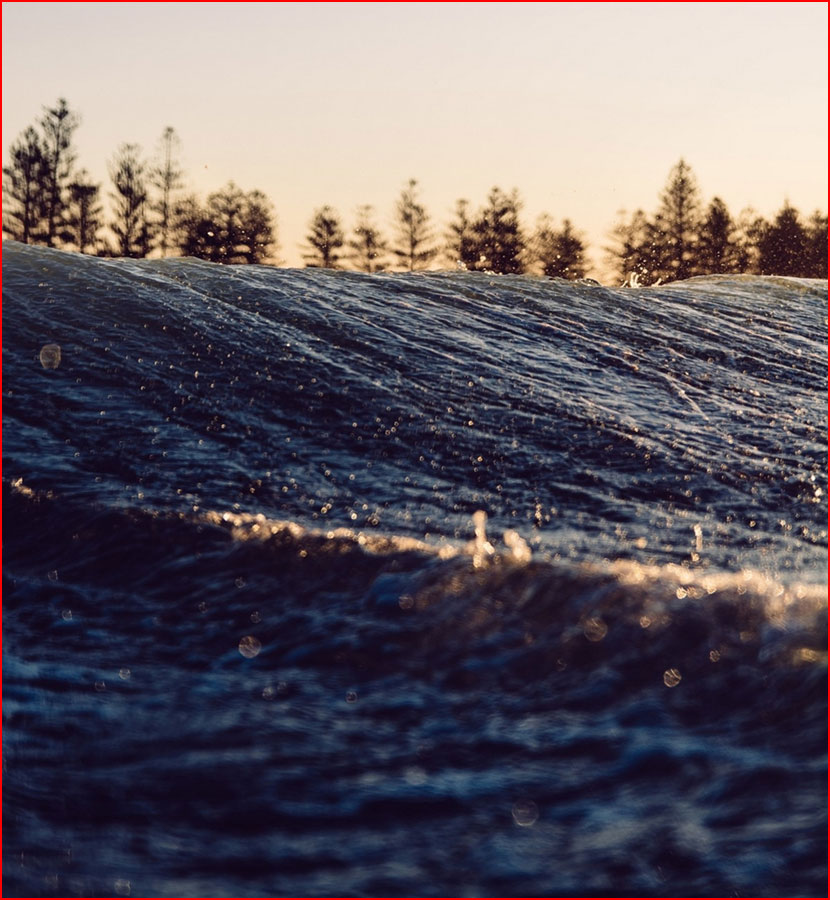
{"x":49,"y":201}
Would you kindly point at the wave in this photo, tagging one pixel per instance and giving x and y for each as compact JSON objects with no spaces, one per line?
{"x":323,"y":583}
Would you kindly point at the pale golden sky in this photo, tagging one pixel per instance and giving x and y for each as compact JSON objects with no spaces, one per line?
{"x":584,"y":107}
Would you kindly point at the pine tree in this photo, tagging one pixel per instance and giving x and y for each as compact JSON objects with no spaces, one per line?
{"x":716,"y":252}
{"x":413,"y":248}
{"x":749,"y":229}
{"x":233,"y":227}
{"x":192,"y":229}
{"x":325,"y":239}
{"x":84,"y":213}
{"x":224,"y":210}
{"x":817,"y":245}
{"x":368,"y":246}
{"x":498,"y":234}
{"x":627,"y":255}
{"x":561,"y":253}
{"x":57,"y":125}
{"x":257,"y":228}
{"x":166,"y":177}
{"x":462,"y":249}
{"x":675,"y":227}
{"x":22,"y":183}
{"x":130,"y":225}
{"x":783,"y":246}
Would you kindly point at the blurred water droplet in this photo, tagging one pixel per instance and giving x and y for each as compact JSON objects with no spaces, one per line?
{"x":66,"y":614}
{"x":351,"y":696}
{"x":256,"y":616}
{"x":240,"y":582}
{"x":50,"y":356}
{"x":671,"y":677}
{"x":122,"y":887}
{"x":525,"y":813}
{"x":249,"y":646}
{"x":124,"y":674}
{"x":269,"y":692}
{"x":100,"y":686}
{"x":595,"y":629}
{"x":53,"y":575}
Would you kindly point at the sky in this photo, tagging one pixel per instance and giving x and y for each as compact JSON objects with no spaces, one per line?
{"x":583,"y":107}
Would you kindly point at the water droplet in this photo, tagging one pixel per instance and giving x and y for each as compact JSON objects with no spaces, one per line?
{"x":256,"y":616}
{"x":53,"y":575}
{"x":671,"y":677}
{"x":124,"y":674}
{"x":525,"y":813}
{"x":595,"y":629}
{"x":269,"y":692}
{"x":66,"y":614}
{"x":249,"y":646}
{"x":50,"y":356}
{"x":406,"y":602}
{"x":100,"y":686}
{"x":122,"y":887}
{"x":351,"y":696}
{"x":240,"y":582}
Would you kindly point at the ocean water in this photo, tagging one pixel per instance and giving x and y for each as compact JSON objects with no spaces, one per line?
{"x":320,"y":583}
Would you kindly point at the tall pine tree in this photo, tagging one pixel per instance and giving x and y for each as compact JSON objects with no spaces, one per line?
{"x":783,"y":245}
{"x":559,"y":252}
{"x":675,"y":227}
{"x":498,"y":234}
{"x":325,"y":239}
{"x":83,"y":219}
{"x":22,"y":185}
{"x":462,"y":249}
{"x":413,"y":246}
{"x":130,"y":225}
{"x":58,"y":124}
{"x":716,"y":248}
{"x":368,"y":246}
{"x":166,"y":178}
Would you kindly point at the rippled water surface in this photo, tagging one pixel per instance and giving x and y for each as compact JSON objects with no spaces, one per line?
{"x":318,"y":583}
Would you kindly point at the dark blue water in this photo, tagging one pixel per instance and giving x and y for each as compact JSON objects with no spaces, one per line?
{"x":318,"y":583}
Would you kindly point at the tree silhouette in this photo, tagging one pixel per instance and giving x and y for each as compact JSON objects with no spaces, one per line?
{"x":22,"y":183}
{"x":368,"y":246}
{"x":413,"y":247}
{"x":166,"y":177}
{"x":461,"y":241}
{"x":631,"y":255}
{"x":84,"y":213}
{"x":783,"y":245}
{"x":817,"y":246}
{"x":675,"y":227}
{"x":130,"y":225}
{"x":749,"y":228}
{"x":57,"y":125}
{"x":325,"y":239}
{"x":716,"y":249}
{"x":561,"y":254}
{"x":192,"y":230}
{"x":233,"y":227}
{"x":257,"y":228}
{"x":498,"y":234}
